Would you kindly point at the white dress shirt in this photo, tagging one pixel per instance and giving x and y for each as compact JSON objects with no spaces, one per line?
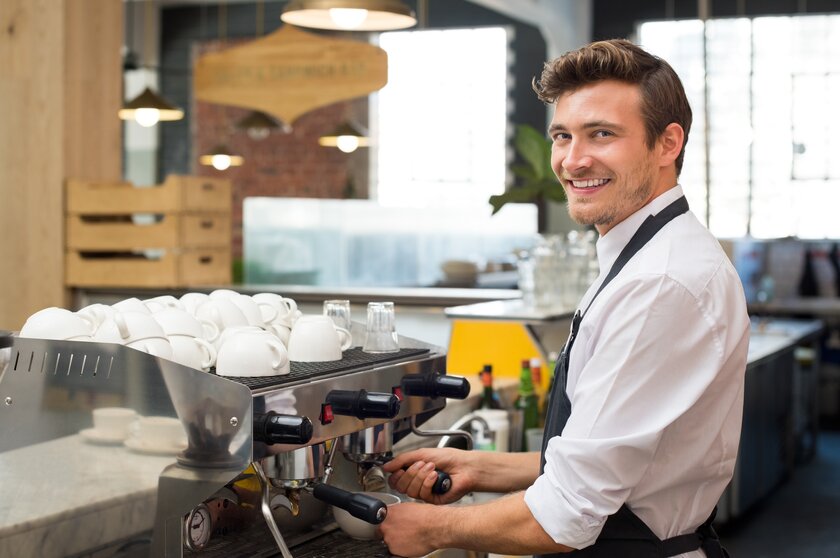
{"x":656,"y":381}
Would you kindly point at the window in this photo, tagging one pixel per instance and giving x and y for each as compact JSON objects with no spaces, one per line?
{"x":769,"y":82}
{"x":441,"y":121}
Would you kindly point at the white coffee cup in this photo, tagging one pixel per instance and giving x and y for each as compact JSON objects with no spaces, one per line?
{"x":127,"y":327}
{"x":251,"y":353}
{"x":221,"y":312}
{"x":155,"y":346}
{"x":159,"y":303}
{"x":231,"y":331}
{"x":315,"y":338}
{"x":132,"y":304}
{"x":113,"y":422}
{"x":258,"y":313}
{"x":96,"y":313}
{"x":224,"y":294}
{"x":59,"y":324}
{"x":286,"y":308}
{"x":175,"y":321}
{"x":192,"y":351}
{"x":157,"y":431}
{"x":192,"y":301}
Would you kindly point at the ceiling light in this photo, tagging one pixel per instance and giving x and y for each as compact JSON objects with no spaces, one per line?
{"x":148,"y":108}
{"x":221,"y":159}
{"x":346,"y":137}
{"x":258,"y":125}
{"x":349,"y":15}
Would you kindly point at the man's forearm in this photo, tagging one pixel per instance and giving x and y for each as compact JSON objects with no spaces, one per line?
{"x":505,"y":526}
{"x":505,"y":472}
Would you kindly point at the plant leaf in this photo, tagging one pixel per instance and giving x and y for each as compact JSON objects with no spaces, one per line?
{"x":553,"y":190}
{"x":525,"y":172}
{"x":534,"y":148}
{"x":514,"y":195}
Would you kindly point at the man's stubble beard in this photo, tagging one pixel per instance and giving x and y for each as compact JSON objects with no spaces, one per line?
{"x":642,"y":175}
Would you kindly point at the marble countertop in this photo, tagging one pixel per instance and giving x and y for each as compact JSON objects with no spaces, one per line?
{"x":68,"y":495}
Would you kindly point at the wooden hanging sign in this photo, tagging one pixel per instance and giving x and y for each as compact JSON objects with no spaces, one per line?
{"x":290,"y":72}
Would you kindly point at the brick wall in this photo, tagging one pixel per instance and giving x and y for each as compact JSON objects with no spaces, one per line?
{"x":283,"y":164}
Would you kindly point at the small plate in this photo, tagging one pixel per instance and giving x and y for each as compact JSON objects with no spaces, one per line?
{"x":95,"y":436}
{"x":142,"y":446}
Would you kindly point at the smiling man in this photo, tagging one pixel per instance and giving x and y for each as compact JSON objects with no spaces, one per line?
{"x":643,"y":430}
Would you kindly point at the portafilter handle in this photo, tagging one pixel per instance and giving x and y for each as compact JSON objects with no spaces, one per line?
{"x":442,"y":484}
{"x":361,"y":506}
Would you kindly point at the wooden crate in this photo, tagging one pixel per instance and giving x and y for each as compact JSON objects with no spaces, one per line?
{"x":178,"y":193}
{"x":171,"y":230}
{"x":185,"y":268}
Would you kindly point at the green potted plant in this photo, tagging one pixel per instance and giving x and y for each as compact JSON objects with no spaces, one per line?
{"x":535,"y":180}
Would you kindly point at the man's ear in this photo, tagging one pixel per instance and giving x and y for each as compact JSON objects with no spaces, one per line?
{"x":670,"y":143}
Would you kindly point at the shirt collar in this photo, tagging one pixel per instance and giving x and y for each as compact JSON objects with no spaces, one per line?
{"x":610,"y":245}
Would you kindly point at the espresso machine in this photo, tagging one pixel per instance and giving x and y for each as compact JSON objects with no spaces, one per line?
{"x":265,"y":457}
{"x":258,"y":474}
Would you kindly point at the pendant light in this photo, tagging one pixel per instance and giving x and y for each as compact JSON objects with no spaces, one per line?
{"x":220,"y":158}
{"x":148,"y":108}
{"x":259,"y":125}
{"x":346,"y":137}
{"x":349,"y":15}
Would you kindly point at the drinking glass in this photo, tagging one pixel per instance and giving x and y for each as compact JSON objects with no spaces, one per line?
{"x":381,"y":332}
{"x":339,"y":312}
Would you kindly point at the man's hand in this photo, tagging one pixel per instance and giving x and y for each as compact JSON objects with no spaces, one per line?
{"x":485,"y":471}
{"x":406,"y":529}
{"x":420,"y":477}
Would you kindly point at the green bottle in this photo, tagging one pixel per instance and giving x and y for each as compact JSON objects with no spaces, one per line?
{"x":489,"y":398}
{"x":527,"y":402}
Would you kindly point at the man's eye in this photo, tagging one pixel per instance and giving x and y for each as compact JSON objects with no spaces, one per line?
{"x":603,"y":133}
{"x":562,"y":136}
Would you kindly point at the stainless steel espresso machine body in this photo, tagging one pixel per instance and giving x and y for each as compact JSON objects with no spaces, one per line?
{"x":260,"y":454}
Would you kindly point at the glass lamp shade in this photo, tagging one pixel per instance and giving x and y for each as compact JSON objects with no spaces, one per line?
{"x":346,"y":137}
{"x":349,"y":15}
{"x":148,"y":108}
{"x":221,"y":159}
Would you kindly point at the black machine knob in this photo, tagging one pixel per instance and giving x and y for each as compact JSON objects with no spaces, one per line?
{"x":363,"y":404}
{"x":436,"y":385}
{"x":361,"y":506}
{"x":273,"y":428}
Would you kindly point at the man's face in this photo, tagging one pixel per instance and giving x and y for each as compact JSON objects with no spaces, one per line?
{"x":600,"y":155}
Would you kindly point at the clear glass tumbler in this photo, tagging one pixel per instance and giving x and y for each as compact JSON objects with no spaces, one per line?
{"x":381,"y":330}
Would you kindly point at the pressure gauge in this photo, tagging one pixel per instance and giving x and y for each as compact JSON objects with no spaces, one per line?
{"x":198,"y":527}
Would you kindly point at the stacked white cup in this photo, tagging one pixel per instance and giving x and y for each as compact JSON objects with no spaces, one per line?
{"x":187,"y":335}
{"x":58,"y":324}
{"x":137,"y":330}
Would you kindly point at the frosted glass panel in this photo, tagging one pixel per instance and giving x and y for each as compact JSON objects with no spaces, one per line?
{"x":338,"y":243}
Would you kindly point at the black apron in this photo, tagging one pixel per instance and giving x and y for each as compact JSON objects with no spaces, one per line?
{"x":624,"y":535}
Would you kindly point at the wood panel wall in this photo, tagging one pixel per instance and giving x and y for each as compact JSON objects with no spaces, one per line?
{"x":60,"y":90}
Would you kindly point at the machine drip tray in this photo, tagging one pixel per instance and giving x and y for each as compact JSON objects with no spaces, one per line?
{"x":257,"y":542}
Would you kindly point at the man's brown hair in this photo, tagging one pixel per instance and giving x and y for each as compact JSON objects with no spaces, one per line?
{"x":663,"y":96}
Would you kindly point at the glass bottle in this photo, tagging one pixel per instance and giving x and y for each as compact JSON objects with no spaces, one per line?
{"x":527,"y":402}
{"x":490,"y":398}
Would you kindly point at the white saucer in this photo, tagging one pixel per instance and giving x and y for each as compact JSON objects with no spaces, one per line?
{"x":150,"y":448}
{"x":95,"y":436}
